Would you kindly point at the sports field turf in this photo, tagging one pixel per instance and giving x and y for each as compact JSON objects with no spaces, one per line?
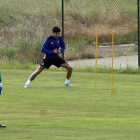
{"x":48,"y":110}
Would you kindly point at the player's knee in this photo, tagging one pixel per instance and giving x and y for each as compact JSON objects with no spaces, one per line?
{"x":38,"y":71}
{"x":70,"y":68}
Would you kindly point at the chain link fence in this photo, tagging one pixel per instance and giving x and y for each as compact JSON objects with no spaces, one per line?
{"x":24,"y":25}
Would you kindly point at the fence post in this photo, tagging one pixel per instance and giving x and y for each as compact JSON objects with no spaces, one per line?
{"x":63,"y":24}
{"x":138,"y":34}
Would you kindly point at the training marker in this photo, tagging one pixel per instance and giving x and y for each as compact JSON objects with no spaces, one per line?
{"x":96,"y":57}
{"x":112,"y":62}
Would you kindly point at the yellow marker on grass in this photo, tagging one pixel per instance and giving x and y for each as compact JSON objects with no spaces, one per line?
{"x":112,"y":62}
{"x":96,"y":57}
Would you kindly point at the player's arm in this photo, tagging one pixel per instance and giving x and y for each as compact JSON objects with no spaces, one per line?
{"x":45,"y":46}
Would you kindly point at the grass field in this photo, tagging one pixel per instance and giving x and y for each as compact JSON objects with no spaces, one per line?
{"x":49,"y":111}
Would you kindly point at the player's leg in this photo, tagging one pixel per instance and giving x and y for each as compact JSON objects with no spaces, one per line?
{"x":38,"y":71}
{"x":59,"y":62}
{"x":33,"y":76}
{"x":69,"y":69}
{"x":69,"y":72}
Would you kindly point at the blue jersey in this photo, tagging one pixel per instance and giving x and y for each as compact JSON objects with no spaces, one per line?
{"x":50,"y":44}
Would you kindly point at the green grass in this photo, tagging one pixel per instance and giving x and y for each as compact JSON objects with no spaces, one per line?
{"x":49,"y":111}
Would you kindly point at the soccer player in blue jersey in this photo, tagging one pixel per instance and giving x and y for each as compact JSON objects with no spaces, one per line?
{"x":51,"y":50}
{"x":0,"y":94}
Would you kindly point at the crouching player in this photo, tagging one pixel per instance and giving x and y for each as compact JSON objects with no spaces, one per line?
{"x":51,"y":50}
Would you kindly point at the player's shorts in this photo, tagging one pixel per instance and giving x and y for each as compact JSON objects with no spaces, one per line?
{"x":56,"y":62}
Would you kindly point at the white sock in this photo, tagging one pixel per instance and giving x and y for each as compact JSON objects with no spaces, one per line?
{"x":28,"y":82}
{"x":67,"y":81}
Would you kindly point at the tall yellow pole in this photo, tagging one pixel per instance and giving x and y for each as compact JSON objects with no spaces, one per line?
{"x":112,"y":62}
{"x":96,"y":57}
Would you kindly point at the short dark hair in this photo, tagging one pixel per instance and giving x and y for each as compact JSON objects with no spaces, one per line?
{"x":56,"y":29}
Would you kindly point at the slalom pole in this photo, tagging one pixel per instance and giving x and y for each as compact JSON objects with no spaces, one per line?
{"x":112,"y":62}
{"x":96,"y":56}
